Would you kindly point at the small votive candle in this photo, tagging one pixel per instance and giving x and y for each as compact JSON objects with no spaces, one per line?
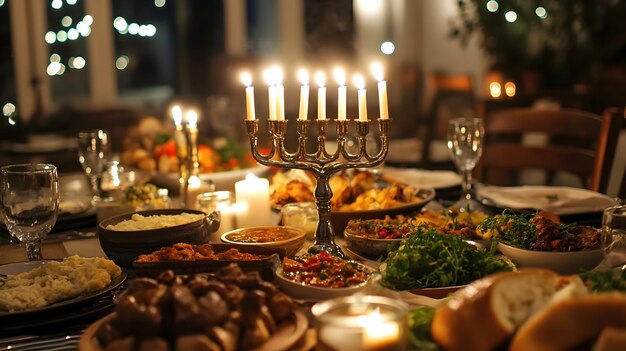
{"x":219,"y":201}
{"x":369,"y":323}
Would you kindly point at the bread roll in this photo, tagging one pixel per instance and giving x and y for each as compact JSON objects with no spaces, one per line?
{"x":571,"y":322}
{"x":486,"y":313}
{"x":611,"y":339}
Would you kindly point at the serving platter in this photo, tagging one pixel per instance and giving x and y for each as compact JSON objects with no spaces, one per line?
{"x":265,"y":266}
{"x":20,"y":267}
{"x":340,"y":219}
{"x":287,"y":334}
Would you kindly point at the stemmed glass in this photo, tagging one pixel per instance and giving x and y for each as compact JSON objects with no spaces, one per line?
{"x":94,"y":150}
{"x":465,"y":140}
{"x":30,"y":203}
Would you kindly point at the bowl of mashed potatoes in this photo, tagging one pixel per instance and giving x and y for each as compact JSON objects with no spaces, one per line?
{"x":123,"y":238}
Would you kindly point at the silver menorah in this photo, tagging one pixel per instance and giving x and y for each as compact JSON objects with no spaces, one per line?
{"x":320,"y":162}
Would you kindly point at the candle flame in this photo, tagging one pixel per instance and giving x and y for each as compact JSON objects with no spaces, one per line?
{"x":377,"y":70}
{"x":192,"y":118}
{"x":359,"y":81}
{"x":278,"y":75}
{"x":251,"y":176}
{"x":320,"y":78}
{"x":303,"y":75}
{"x":340,"y":76}
{"x":268,"y":75}
{"x":246,"y":79}
{"x":177,"y":115}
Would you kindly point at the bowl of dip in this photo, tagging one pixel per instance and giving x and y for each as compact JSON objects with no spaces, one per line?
{"x":290,"y":239}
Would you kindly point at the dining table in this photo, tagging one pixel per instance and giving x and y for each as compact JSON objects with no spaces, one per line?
{"x":82,"y":240}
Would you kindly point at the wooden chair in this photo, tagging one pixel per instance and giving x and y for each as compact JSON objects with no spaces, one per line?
{"x":449,"y":96}
{"x":578,"y":142}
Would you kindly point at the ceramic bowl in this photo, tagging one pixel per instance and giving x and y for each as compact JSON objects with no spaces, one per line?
{"x":368,"y":247}
{"x":257,"y":236}
{"x":306,"y":292}
{"x":123,"y":247}
{"x":561,"y":262}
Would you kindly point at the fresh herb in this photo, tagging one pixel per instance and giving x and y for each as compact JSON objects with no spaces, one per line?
{"x":514,"y":229}
{"x":428,"y":259}
{"x":419,"y":322}
{"x":605,"y":281}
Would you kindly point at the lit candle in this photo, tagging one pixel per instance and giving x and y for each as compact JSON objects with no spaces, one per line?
{"x":246,"y":79}
{"x":253,"y":195}
{"x":377,"y":69}
{"x":280,"y":93}
{"x":303,"y":75}
{"x":269,"y":78}
{"x":177,"y":116}
{"x":192,"y":120}
{"x":379,"y":334}
{"x":340,"y":76}
{"x":320,"y":78}
{"x":360,"y":84}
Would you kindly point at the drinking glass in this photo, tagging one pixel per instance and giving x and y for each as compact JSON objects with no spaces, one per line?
{"x":614,"y":234}
{"x":465,"y":140}
{"x":93,"y":153}
{"x":29,"y":198}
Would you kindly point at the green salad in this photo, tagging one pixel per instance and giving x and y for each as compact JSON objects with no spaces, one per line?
{"x":429,"y":259}
{"x":419,"y":322}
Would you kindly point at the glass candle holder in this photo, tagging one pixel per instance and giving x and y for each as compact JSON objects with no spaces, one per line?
{"x":220,"y":201}
{"x":361,"y":322}
{"x":301,"y":215}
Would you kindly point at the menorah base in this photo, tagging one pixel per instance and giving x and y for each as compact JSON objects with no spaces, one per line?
{"x":331,"y":248}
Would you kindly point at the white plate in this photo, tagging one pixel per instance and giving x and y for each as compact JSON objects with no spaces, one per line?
{"x":420,"y":178}
{"x":306,"y":292}
{"x":558,"y":199}
{"x":223,"y":180}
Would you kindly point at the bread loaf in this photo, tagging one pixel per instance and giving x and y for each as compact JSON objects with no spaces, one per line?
{"x":487,"y":312}
{"x":571,"y":323}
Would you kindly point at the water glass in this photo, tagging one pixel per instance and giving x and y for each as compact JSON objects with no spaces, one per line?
{"x":614,"y":234}
{"x":94,"y":150}
{"x":29,"y":197}
{"x":465,"y":141}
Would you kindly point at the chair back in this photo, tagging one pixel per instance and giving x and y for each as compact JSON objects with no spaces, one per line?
{"x":577,"y":142}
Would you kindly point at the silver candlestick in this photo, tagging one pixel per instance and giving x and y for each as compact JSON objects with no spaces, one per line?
{"x":320,"y":162}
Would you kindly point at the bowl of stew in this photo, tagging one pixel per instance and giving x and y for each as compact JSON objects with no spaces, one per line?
{"x":321,"y":276}
{"x":290,"y":239}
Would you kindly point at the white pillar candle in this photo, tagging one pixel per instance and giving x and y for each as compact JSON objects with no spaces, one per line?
{"x":377,"y":69}
{"x":246,"y":79}
{"x":192,"y":120}
{"x":280,"y":94}
{"x":360,"y":83}
{"x":271,"y":91}
{"x":340,"y":76}
{"x":253,"y":195}
{"x":303,"y":75}
{"x":321,"y":95}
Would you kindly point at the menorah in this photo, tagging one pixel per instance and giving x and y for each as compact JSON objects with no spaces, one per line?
{"x":320,"y":162}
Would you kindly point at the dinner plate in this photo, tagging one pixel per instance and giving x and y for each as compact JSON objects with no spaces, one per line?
{"x":222,"y":180}
{"x":421,"y":178}
{"x":560,"y":200}
{"x":20,"y":267}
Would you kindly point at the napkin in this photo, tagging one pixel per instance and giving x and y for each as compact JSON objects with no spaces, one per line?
{"x":560,"y":200}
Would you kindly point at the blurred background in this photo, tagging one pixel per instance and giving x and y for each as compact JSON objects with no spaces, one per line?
{"x":68,"y":65}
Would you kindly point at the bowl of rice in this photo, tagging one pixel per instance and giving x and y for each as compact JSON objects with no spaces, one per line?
{"x":123,"y":238}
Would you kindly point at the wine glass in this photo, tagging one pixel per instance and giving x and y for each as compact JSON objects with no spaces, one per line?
{"x":30,"y":203}
{"x":614,"y":234}
{"x":93,"y":153}
{"x":465,"y":140}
